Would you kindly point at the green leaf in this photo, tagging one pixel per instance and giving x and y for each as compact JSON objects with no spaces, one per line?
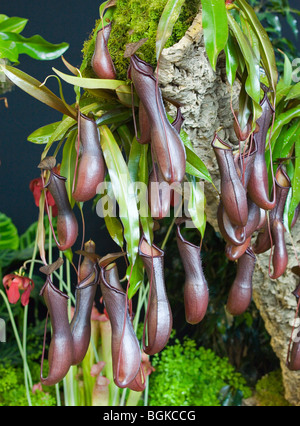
{"x":282,"y":120}
{"x":43,"y":134}
{"x":251,"y":36}
{"x":35,"y":47}
{"x":215,"y":28}
{"x":123,"y":191}
{"x":3,"y":18}
{"x":282,"y":91}
{"x":115,"y":116}
{"x":9,"y":50}
{"x":288,"y":71}
{"x":9,"y":238}
{"x":232,"y":59}
{"x":136,"y":275}
{"x":166,"y":23}
{"x":90,"y":83}
{"x":145,"y":214}
{"x":196,"y":167}
{"x":33,"y":87}
{"x":286,"y":141}
{"x":13,"y":25}
{"x":294,"y":93}
{"x":67,"y":167}
{"x":266,"y":48}
{"x":245,"y":104}
{"x":69,"y":255}
{"x":253,"y":81}
{"x":134,"y":160}
{"x":196,"y":206}
{"x":126,"y":138}
{"x":138,"y":170}
{"x":115,"y":229}
{"x":295,"y":184}
{"x":293,"y":23}
{"x":125,"y":95}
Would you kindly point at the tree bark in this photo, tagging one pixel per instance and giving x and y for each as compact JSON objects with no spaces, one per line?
{"x":186,"y":76}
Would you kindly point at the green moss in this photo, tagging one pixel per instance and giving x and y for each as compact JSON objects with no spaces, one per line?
{"x":134,"y":20}
{"x":270,"y":391}
{"x":189,"y":376}
{"x":13,"y":392}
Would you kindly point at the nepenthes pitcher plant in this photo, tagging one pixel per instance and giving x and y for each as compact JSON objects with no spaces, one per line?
{"x":250,"y":217}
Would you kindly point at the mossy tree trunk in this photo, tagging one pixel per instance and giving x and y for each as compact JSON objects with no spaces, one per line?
{"x":186,"y":75}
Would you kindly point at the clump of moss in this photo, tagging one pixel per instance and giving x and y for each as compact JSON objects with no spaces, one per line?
{"x":270,"y":391}
{"x":137,"y":19}
{"x":13,"y":392}
{"x":186,"y":375}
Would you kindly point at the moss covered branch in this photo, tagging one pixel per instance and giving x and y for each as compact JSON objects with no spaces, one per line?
{"x":134,"y":20}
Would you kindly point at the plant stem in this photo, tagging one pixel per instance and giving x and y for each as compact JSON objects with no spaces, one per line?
{"x":146,"y":393}
{"x":27,"y":377}
{"x":171,"y":226}
{"x":123,"y":397}
{"x":50,"y":257}
{"x":72,"y":392}
{"x":133,"y":398}
{"x":17,"y":337}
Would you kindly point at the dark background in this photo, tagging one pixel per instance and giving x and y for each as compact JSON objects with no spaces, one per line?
{"x":57,"y":21}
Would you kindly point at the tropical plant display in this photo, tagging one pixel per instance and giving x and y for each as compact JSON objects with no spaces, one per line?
{"x":117,"y":146}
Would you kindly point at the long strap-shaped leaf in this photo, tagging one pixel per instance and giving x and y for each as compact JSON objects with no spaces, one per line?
{"x":90,"y":83}
{"x":197,"y":203}
{"x":9,"y":238}
{"x":33,"y":87}
{"x":215,"y":28}
{"x":295,"y":184}
{"x":266,"y":48}
{"x":121,"y":181}
{"x":167,"y":21}
{"x":252,"y":84}
{"x":36,"y":47}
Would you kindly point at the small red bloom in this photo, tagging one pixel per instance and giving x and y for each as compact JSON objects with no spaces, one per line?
{"x":13,"y":284}
{"x":36,"y":187}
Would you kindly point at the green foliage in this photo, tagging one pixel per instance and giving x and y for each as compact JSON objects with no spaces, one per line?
{"x":189,"y":376}
{"x":270,"y":391}
{"x":13,"y":392}
{"x":272,"y":13}
{"x":12,"y":44}
{"x":135,"y":20}
{"x":15,"y":248}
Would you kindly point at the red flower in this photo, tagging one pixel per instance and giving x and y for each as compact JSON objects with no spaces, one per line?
{"x":13,"y":284}
{"x":36,"y":187}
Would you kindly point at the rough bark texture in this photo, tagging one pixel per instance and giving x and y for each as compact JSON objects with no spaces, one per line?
{"x":185,"y":74}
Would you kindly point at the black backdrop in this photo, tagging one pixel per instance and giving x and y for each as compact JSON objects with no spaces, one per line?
{"x":56,"y":21}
